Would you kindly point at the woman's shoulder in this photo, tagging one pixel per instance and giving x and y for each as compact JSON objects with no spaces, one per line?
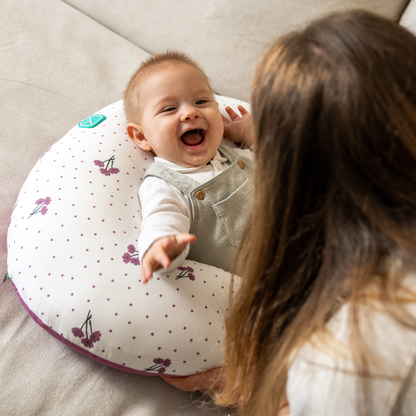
{"x":324,"y":379}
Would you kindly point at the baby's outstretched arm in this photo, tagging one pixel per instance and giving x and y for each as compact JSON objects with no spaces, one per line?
{"x":239,"y":129}
{"x":162,"y":252}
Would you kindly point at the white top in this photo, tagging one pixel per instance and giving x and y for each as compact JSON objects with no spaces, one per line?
{"x":322,"y":380}
{"x":166,"y":210}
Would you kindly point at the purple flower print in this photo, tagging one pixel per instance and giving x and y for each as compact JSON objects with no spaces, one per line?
{"x":135,"y":261}
{"x":94,"y":337}
{"x":132,"y":256}
{"x":41,"y":206}
{"x":99,"y":163}
{"x":126,"y":258}
{"x":106,"y":169}
{"x":159,"y":365}
{"x":87,"y":343}
{"x":45,"y":201}
{"x":105,"y":172}
{"x":186,"y":272}
{"x":77,"y":332}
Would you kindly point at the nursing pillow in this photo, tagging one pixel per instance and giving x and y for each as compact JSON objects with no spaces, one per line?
{"x":73,"y":260}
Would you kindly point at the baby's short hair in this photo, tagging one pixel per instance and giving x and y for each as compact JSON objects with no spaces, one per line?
{"x":131,"y":94}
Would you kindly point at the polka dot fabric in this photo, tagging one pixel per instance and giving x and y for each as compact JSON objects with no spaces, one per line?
{"x":72,"y":257}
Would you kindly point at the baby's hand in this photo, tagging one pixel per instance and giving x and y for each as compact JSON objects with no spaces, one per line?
{"x":239,"y":129}
{"x":161,"y":252}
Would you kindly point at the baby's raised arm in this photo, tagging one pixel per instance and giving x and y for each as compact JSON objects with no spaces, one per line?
{"x":165,"y":216}
{"x":239,"y":129}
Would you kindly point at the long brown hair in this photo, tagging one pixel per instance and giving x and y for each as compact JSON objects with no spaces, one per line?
{"x":334,"y":111}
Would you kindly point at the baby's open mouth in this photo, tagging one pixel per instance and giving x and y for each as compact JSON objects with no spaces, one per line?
{"x":193,"y":137}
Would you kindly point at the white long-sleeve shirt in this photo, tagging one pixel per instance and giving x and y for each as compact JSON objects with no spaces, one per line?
{"x":322,"y":380}
{"x":166,"y":210}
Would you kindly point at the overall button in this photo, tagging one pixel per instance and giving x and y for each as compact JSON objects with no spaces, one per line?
{"x":200,"y":195}
{"x":241,"y":164}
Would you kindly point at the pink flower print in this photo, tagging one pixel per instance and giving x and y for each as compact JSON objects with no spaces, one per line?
{"x":107,"y":167}
{"x":159,"y":365}
{"x":105,"y":172}
{"x":77,"y":332}
{"x":126,"y":258}
{"x":186,"y":272}
{"x":87,"y":343}
{"x":99,"y":163}
{"x":132,"y":256}
{"x":41,"y":206}
{"x":94,"y":337}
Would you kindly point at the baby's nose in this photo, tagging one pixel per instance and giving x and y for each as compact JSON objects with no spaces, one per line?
{"x":190,"y":113}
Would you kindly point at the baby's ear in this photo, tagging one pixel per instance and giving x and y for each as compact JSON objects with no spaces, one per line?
{"x":135,"y":133}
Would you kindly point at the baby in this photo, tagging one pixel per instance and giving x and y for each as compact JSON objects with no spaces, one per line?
{"x":197,"y":190}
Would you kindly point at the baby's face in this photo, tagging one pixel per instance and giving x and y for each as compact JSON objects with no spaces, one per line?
{"x":180,"y":119}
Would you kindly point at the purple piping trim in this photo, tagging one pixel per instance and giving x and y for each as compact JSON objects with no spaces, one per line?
{"x":79,"y":349}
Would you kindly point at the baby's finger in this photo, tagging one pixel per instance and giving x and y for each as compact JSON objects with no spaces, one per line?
{"x":161,"y":258}
{"x":185,"y":239}
{"x":242,"y":110}
{"x":234,"y":116}
{"x":146,"y":271}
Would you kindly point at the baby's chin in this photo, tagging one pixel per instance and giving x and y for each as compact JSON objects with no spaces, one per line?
{"x":195,"y":163}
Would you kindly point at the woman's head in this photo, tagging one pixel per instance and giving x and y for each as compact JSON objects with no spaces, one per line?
{"x":334,"y":111}
{"x":337,"y":104}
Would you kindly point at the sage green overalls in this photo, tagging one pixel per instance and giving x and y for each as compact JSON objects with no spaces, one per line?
{"x":220,"y":208}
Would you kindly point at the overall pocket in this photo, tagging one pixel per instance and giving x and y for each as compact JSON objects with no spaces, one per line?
{"x":233,"y":212}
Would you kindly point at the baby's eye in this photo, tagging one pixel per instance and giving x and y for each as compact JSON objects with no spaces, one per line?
{"x":202,"y":101}
{"x":167,"y":109}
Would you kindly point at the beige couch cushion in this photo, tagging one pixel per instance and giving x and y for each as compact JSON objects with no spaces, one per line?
{"x":58,"y":66}
{"x":228,"y":38}
{"x":408,"y":19}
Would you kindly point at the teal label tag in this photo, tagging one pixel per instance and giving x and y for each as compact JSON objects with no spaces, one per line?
{"x":92,"y":121}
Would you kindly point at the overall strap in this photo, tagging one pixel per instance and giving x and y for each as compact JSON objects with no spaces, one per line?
{"x":182,"y":182}
{"x":229,"y":153}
